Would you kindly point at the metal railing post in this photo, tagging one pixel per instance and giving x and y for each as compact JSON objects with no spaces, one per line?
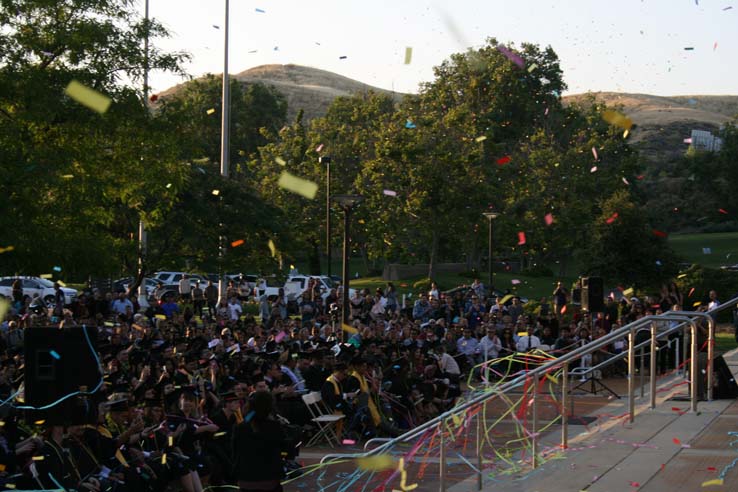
{"x":480,"y":443}
{"x":694,"y":369}
{"x":710,"y":345}
{"x":535,"y":422}
{"x":642,"y":371}
{"x":652,"y":388}
{"x":564,"y":414}
{"x":631,"y":375}
{"x":442,"y":460}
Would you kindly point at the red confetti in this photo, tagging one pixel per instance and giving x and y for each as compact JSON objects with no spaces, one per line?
{"x":503,"y":160}
{"x":612,"y":218}
{"x":563,"y":309}
{"x":237,"y":243}
{"x":549,"y":219}
{"x":635,"y":484}
{"x":677,"y":441}
{"x":640,"y":176}
{"x":154,"y":98}
{"x":521,"y":238}
{"x":711,"y":468}
{"x":691,"y":291}
{"x":722,"y":211}
{"x":659,"y":233}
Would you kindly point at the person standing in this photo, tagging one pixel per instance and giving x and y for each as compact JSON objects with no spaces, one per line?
{"x":198,"y":297}
{"x":185,"y":288}
{"x":560,"y":297}
{"x":211,"y":296}
{"x":58,"y":300}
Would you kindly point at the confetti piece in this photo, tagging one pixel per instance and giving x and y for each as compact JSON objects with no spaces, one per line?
{"x":343,"y":57}
{"x":696,"y":303}
{"x":521,"y":238}
{"x":659,"y":233}
{"x":481,"y":138}
{"x":532,"y":67}
{"x":676,"y":441}
{"x":46,"y":275}
{"x":170,"y":441}
{"x":390,"y":193}
{"x":272,"y":248}
{"x":215,"y":192}
{"x":210,"y":111}
{"x":169,"y":185}
{"x":88,"y":97}
{"x":348,"y":328}
{"x":120,"y":458}
{"x":55,"y":354}
{"x":57,"y":269}
{"x":409,"y":124}
{"x":153,"y":98}
{"x":292,"y":183}
{"x":376,"y":463}
{"x":160,"y":316}
{"x":261,"y":11}
{"x":516,"y":59}
{"x":280,"y":336}
{"x":593,"y":170}
{"x":67,"y":176}
{"x":727,"y":8}
{"x":626,"y":181}
{"x":37,"y":458}
{"x":7,"y":249}
{"x":515,"y":281}
{"x":4,"y":307}
{"x":691,"y":291}
{"x":164,"y":459}
{"x":280,"y":161}
{"x":503,"y":160}
{"x":711,"y":468}
{"x":216,"y":26}
{"x":40,"y":422}
{"x":612,"y":218}
{"x":319,"y":148}
{"x":689,"y":48}
{"x":617,"y":119}
{"x":2,"y":467}
{"x":594,"y":153}
{"x":682,"y":275}
{"x":723,"y":211}
{"x":408,"y":55}
{"x":249,"y":416}
{"x":710,"y":483}
{"x":237,"y":243}
{"x":714,"y":46}
{"x":219,"y":434}
{"x":687,"y":140}
{"x":706,"y":251}
{"x":563,"y":309}
{"x":549,"y":219}
{"x":349,"y":442}
{"x":634,"y":484}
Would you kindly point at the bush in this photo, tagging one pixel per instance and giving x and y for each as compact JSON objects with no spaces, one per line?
{"x":702,"y":279}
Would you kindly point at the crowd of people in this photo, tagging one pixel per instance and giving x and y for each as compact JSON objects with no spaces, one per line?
{"x":200,"y":394}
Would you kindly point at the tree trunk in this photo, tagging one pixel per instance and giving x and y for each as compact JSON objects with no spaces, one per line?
{"x":433,"y":256}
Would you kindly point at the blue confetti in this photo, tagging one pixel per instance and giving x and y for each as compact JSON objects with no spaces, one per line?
{"x":409,"y":124}
{"x":57,"y":269}
{"x":261,"y":11}
{"x":55,"y":354}
{"x":249,"y":416}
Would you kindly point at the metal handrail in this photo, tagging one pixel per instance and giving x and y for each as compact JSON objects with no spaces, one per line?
{"x":562,"y":362}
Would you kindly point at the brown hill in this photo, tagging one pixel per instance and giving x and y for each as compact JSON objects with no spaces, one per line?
{"x":664,"y":122}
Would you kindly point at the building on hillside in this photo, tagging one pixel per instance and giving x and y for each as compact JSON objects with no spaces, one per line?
{"x":705,"y":141}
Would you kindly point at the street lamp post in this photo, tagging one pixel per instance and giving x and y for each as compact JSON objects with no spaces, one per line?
{"x":224,"y":150}
{"x":346,"y":202}
{"x":327,"y":161}
{"x":490,"y":217}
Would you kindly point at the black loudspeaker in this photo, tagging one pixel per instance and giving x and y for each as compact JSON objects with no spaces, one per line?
{"x":593,"y":295}
{"x":576,"y":295}
{"x":59,"y":362}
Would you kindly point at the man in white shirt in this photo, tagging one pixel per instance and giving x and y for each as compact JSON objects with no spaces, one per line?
{"x":234,"y":309}
{"x":713,"y":301}
{"x":185,"y":288}
{"x":490,"y":345}
{"x":121,"y":303}
{"x":447,"y":364}
{"x":528,"y":342}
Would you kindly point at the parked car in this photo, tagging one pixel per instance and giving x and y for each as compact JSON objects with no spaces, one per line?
{"x":121,"y":285}
{"x":37,"y":285}
{"x":172,"y":278}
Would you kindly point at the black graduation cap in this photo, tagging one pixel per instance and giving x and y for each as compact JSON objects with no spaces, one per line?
{"x":229,"y":396}
{"x":120,"y":405}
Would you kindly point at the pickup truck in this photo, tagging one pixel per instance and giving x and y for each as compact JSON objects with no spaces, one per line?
{"x":295,"y":285}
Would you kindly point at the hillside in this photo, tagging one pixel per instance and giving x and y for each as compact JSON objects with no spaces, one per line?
{"x":664,"y":122}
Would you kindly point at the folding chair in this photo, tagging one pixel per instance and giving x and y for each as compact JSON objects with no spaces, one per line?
{"x":325,"y":421}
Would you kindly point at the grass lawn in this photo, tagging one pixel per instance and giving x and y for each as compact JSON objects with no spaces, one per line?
{"x":724,"y":341}
{"x":722,"y":244}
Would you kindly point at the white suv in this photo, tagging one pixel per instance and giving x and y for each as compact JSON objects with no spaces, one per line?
{"x":36,"y":285}
{"x":172,"y":278}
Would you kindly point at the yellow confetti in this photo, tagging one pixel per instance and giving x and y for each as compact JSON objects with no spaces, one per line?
{"x":628,"y":292}
{"x":349,"y":328}
{"x":219,"y":434}
{"x":164,"y":459}
{"x":120,"y":458}
{"x":280,"y":161}
{"x":532,"y":67}
{"x":617,"y":119}
{"x":37,"y":458}
{"x":376,"y":463}
{"x":67,"y":176}
{"x":456,"y":419}
{"x":160,"y":316}
{"x":681,"y":275}
{"x":2,"y":467}
{"x":522,"y":334}
{"x":7,"y":249}
{"x":88,"y":97}
{"x":552,"y":379}
{"x":10,"y":485}
{"x":272,"y":248}
{"x":716,"y":481}
{"x":46,"y":275}
{"x":210,"y":111}
{"x":696,"y":303}
{"x":170,"y":441}
{"x":216,"y":192}
{"x":62,"y":283}
{"x":481,"y":138}
{"x":241,"y":152}
{"x":506,"y":298}
{"x":408,"y":55}
{"x":39,"y":422}
{"x":292,"y":183}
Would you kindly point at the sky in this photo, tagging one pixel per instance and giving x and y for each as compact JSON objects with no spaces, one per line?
{"x":604,"y":45}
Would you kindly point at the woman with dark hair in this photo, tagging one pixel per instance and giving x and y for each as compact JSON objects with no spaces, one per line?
{"x":258,"y":442}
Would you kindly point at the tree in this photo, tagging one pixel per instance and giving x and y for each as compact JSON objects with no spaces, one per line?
{"x":622,"y":247}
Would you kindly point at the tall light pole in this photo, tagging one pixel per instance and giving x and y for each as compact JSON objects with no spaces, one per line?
{"x":327,"y":161}
{"x":142,"y":297}
{"x":346,"y":202}
{"x":224,"y":148}
{"x":490,"y":217}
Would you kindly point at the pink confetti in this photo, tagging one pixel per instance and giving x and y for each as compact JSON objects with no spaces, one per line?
{"x":688,"y":140}
{"x":515,"y":281}
{"x":626,"y":181}
{"x":549,"y":219}
{"x":635,"y":484}
{"x":319,"y":148}
{"x":594,"y":153}
{"x":612,"y":218}
{"x":516,"y":59}
{"x":593,"y":170}
{"x":521,"y":238}
{"x":723,"y":211}
{"x":280,"y":336}
{"x":714,"y":46}
{"x":349,"y":442}
{"x":545,"y":113}
{"x":390,"y":193}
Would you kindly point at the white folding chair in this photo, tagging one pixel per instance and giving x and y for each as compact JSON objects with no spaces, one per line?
{"x":325,"y":421}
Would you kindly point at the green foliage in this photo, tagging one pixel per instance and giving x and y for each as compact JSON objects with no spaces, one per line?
{"x":702,"y":280}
